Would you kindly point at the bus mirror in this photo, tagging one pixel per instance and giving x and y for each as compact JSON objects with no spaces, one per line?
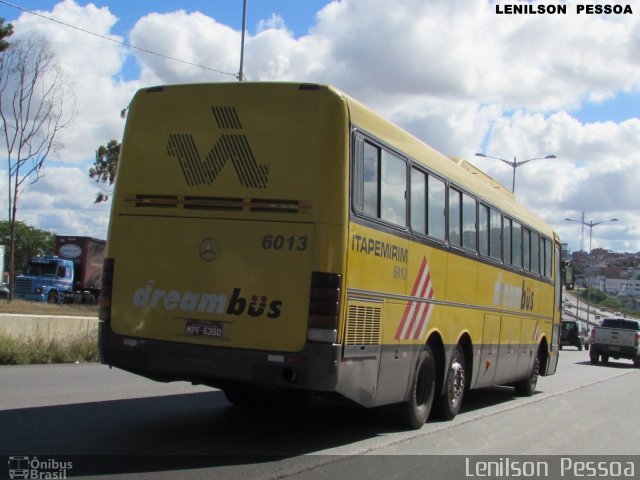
{"x":567,"y":276}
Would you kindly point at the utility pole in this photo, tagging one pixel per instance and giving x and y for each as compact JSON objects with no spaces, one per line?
{"x":244,"y":25}
{"x":589,"y":224}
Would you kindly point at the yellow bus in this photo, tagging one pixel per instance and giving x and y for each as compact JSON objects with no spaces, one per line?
{"x":278,"y":238}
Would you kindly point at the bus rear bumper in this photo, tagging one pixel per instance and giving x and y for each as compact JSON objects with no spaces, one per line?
{"x":313,"y":368}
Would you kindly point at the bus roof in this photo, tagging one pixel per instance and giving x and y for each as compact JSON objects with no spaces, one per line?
{"x":457,"y":170}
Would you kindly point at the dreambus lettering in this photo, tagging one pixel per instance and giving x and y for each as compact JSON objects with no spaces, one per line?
{"x":379,"y":248}
{"x":200,"y":302}
{"x":513,"y":296}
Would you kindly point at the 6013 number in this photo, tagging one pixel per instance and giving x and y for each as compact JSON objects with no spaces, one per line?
{"x":282,"y":242}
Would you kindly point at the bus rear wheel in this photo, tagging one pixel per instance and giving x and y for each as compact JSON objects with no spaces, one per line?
{"x":448,"y":403}
{"x":414,"y":413}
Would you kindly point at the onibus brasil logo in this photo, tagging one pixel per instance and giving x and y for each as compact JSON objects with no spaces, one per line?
{"x":33,"y":467}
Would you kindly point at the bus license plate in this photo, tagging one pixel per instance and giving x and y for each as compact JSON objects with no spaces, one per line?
{"x":204,"y":329}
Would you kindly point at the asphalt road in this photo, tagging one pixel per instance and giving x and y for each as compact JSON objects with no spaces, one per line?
{"x":154,"y":430}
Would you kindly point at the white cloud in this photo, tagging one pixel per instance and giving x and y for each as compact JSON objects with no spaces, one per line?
{"x":274,"y":22}
{"x":91,"y":64}
{"x":455,"y":74}
{"x":60,"y":202}
{"x":192,"y":37}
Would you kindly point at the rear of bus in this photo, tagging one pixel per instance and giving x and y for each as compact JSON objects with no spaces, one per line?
{"x":227,"y":238}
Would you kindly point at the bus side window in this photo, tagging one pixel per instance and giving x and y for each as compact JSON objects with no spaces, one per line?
{"x":469,"y":222}
{"x":379,"y":183}
{"x":455,"y":217}
{"x":428,"y":205}
{"x":436,"y":208}
{"x":483,"y":230}
{"x":535,"y":252}
{"x":516,"y":244}
{"x":418,"y":201}
{"x":371,"y":169}
{"x":495,"y":244}
{"x":506,"y":240}
{"x":526,"y":249}
{"x":393,"y":188}
{"x":548,"y":256}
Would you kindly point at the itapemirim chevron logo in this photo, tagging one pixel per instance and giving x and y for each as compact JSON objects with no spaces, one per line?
{"x":418,"y":312}
{"x":232,"y":147}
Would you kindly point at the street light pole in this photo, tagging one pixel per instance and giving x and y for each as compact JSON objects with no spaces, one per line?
{"x":515,"y":164}
{"x":244,"y":25}
{"x":590,"y":224}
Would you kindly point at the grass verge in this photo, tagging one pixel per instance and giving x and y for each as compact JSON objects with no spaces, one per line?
{"x":38,"y":350}
{"x":42,"y":308}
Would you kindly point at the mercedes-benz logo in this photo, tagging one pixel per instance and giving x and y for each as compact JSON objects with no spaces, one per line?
{"x":209,"y":249}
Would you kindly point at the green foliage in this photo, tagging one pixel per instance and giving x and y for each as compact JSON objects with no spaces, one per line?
{"x":30,"y":242}
{"x":29,"y":351}
{"x":612,"y":304}
{"x":105,"y":166}
{"x":603,"y":300}
{"x":5,"y":31}
{"x":596,"y":296}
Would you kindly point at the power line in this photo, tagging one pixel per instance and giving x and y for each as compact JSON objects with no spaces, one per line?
{"x":117,"y":41}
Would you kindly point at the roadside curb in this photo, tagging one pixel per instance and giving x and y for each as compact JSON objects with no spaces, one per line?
{"x":48,"y":327}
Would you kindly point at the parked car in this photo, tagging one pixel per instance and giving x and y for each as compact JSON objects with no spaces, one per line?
{"x":4,"y":291}
{"x":574,"y":333}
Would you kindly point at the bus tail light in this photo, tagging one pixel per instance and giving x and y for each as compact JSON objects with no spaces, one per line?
{"x":324,"y":307}
{"x":105,"y":293}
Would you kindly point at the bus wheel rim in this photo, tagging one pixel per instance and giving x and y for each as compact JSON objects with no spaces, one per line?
{"x":456,"y":384}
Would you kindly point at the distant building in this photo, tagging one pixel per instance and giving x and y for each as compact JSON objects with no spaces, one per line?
{"x":621,"y":287}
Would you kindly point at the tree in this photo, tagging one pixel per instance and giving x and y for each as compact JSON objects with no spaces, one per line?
{"x":5,"y":31}
{"x":29,"y":241}
{"x":36,"y":104}
{"x":105,"y":166}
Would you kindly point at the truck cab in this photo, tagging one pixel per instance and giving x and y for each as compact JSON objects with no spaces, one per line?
{"x":45,"y":279}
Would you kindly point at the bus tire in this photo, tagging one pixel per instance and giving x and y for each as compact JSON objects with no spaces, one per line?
{"x":414,"y":413}
{"x":526,"y":388}
{"x":449,"y":402}
{"x":242,"y":397}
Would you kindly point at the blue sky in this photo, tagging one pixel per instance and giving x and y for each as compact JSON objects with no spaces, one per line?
{"x":299,"y":17}
{"x":299,"y":14}
{"x":455,"y":74}
{"x":617,"y":109}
